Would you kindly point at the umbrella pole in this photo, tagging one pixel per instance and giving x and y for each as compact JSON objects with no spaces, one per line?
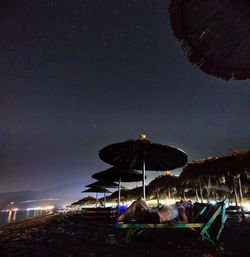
{"x":241,"y":198}
{"x":235,"y":193}
{"x":169,"y":195}
{"x":105,"y":198}
{"x":157,"y":195}
{"x":96,"y":200}
{"x":119,"y":196}
{"x":196,"y":195}
{"x":143,"y":180}
{"x":201,"y":194}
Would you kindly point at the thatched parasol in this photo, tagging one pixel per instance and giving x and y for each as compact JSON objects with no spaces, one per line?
{"x":163,"y":182}
{"x":102,"y":183}
{"x":105,"y":184}
{"x":233,"y":165}
{"x":134,"y":193}
{"x":118,"y":175}
{"x":214,"y":35}
{"x":96,"y":190}
{"x":86,"y":200}
{"x":115,"y":195}
{"x":142,"y":154}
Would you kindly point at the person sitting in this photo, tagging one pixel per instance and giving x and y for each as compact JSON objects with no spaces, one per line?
{"x":140,"y":210}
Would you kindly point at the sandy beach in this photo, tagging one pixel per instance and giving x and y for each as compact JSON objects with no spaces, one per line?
{"x":60,"y":235}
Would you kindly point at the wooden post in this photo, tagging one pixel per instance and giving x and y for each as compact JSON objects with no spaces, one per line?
{"x":105,"y":197}
{"x":201,"y":194}
{"x":143,"y":180}
{"x":119,"y":195}
{"x":96,"y":199}
{"x":235,"y":192}
{"x":241,"y":198}
{"x":196,"y":195}
{"x":157,"y":196}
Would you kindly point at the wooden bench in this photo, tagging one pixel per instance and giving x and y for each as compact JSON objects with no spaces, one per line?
{"x":208,"y":223}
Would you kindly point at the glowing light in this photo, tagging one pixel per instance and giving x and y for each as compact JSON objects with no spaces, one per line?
{"x":14,"y":216}
{"x":39,"y":200}
{"x":15,"y":209}
{"x":9,"y":216}
{"x":246,"y":206}
{"x":41,"y":208}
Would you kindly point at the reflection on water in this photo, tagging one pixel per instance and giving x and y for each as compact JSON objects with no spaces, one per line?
{"x":9,"y":216}
{"x":15,"y":215}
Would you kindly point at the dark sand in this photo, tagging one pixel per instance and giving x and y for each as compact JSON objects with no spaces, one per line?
{"x":58,"y":235}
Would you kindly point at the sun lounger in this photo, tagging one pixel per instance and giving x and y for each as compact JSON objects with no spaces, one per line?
{"x":99,"y":213}
{"x":208,"y":223}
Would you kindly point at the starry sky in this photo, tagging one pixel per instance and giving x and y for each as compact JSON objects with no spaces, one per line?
{"x":77,"y":75}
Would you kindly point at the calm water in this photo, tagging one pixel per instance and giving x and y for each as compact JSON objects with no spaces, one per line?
{"x":6,"y":217}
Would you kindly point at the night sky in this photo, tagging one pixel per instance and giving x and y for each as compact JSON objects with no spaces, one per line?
{"x":77,"y":75}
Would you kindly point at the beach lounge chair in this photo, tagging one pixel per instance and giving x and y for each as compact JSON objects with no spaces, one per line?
{"x":208,"y":223}
{"x":99,"y":213}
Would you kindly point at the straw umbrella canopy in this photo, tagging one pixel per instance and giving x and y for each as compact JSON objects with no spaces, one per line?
{"x":118,"y":175}
{"x":86,"y":200}
{"x":142,"y":154}
{"x":96,"y":190}
{"x":105,"y":184}
{"x":115,"y":195}
{"x":163,"y":182}
{"x":233,"y":165}
{"x":102,"y":183}
{"x":134,"y":193}
{"x":214,"y":35}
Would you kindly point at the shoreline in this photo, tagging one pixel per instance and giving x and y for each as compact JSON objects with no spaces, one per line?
{"x":23,"y":220}
{"x":60,"y":235}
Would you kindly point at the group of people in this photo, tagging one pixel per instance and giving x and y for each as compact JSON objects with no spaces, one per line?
{"x":140,"y":210}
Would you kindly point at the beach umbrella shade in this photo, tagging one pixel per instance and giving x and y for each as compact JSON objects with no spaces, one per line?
{"x":115,"y":194}
{"x":86,"y":200}
{"x":214,"y":35}
{"x":134,"y":193}
{"x":118,"y":175}
{"x":96,"y":190}
{"x":102,"y":183}
{"x":142,"y":154}
{"x":105,"y":184}
{"x":163,"y":182}
{"x":234,"y":164}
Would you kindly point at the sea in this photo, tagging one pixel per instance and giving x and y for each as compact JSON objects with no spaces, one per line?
{"x":11,"y":216}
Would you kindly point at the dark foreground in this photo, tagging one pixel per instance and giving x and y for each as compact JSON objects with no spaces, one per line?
{"x":58,"y":235}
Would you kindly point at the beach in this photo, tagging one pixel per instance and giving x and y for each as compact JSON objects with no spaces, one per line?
{"x":63,"y":235}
